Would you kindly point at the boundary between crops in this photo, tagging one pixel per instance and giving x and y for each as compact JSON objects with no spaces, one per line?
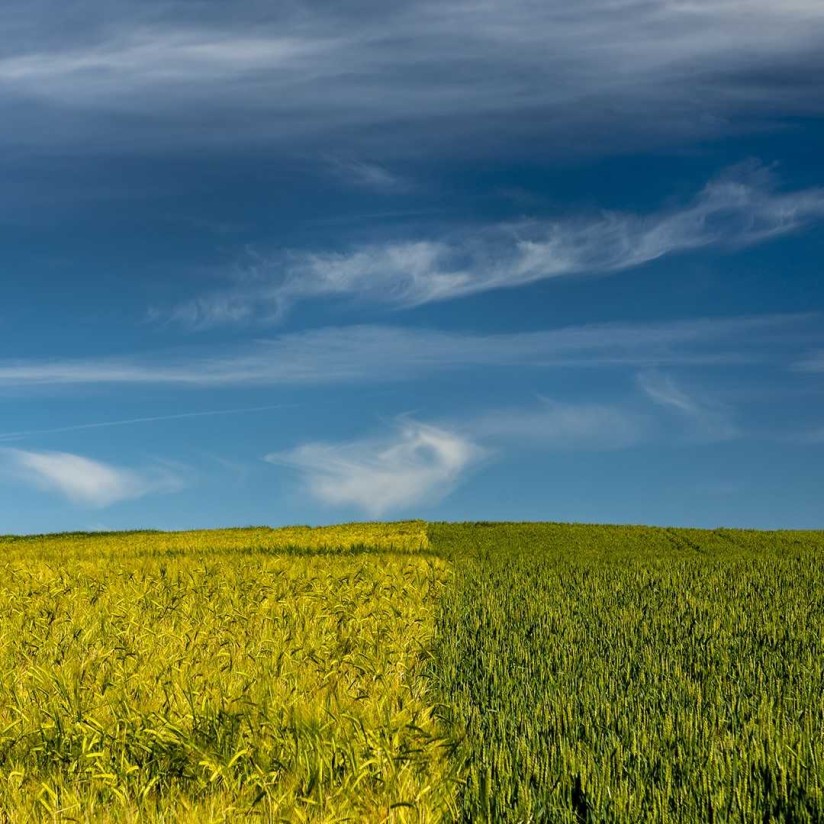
{"x":296,"y":551}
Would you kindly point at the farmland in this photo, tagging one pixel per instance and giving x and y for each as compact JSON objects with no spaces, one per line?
{"x":413,"y":672}
{"x":200,"y":677}
{"x":631,"y":674}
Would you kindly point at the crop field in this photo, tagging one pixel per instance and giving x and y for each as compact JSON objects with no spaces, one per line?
{"x":413,"y":672}
{"x":633,"y":674}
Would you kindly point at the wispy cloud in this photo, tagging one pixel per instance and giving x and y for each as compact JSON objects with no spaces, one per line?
{"x":418,"y":463}
{"x":85,"y":481}
{"x":367,"y":175}
{"x":737,"y":210}
{"x":558,"y":425}
{"x":210,"y":413}
{"x":707,"y":419}
{"x":368,"y":71}
{"x":813,"y":362}
{"x":383,"y":353}
{"x":423,"y":462}
{"x":811,"y":435}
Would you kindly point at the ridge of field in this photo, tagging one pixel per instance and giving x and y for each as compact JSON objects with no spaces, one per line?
{"x":633,"y":674}
{"x":221,"y":676}
{"x":400,"y":536}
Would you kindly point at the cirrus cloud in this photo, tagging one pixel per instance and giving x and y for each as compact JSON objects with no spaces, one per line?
{"x":707,"y":418}
{"x":381,"y":73}
{"x":740,"y":208}
{"x":560,"y":425}
{"x":361,"y":354}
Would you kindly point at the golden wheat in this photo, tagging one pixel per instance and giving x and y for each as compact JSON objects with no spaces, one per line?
{"x":166,"y":678}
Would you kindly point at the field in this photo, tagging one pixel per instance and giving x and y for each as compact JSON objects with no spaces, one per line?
{"x":413,"y":672}
{"x":631,"y":674}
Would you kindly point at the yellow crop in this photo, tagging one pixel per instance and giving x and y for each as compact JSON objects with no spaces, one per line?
{"x":403,"y":536}
{"x":200,"y":677}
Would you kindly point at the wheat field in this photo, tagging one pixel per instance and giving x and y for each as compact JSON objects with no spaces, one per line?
{"x":413,"y":672}
{"x":219,"y":676}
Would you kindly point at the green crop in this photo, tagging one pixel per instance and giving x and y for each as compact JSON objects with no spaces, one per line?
{"x":633,"y":674}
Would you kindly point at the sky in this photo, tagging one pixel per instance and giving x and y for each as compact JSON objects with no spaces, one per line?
{"x":279,"y":263}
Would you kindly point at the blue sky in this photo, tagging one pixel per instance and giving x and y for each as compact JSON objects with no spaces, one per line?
{"x":304,"y":263}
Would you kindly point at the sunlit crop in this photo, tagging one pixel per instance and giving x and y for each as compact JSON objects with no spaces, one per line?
{"x":166,"y":678}
{"x":402,"y":536}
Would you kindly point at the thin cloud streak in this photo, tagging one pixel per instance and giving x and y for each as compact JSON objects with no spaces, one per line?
{"x":366,"y":354}
{"x":737,"y":210}
{"x":707,"y":419}
{"x":812,"y":363}
{"x":13,"y":436}
{"x":366,"y":175}
{"x":557,"y":425}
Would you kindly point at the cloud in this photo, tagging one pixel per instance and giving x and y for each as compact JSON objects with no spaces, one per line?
{"x":366,"y":175}
{"x":423,"y":462}
{"x":808,"y":436}
{"x":739,"y":209}
{"x":450,"y":75}
{"x":209,"y":413}
{"x":418,"y":463}
{"x":82,"y":480}
{"x":559,"y":425}
{"x":812,"y":363}
{"x":365,"y":354}
{"x":707,"y":419}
